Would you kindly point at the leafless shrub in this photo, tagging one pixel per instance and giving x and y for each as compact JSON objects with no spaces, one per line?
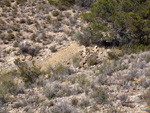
{"x":29,"y":48}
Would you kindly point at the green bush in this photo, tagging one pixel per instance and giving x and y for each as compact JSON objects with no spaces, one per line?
{"x":68,"y":3}
{"x":57,"y":90}
{"x":53,"y":48}
{"x":84,"y":102}
{"x":84,"y":37}
{"x":63,"y":107}
{"x":52,"y":2}
{"x":99,"y":95}
{"x":7,"y":84}
{"x":59,"y":3}
{"x":82,"y":80}
{"x":106,"y":68}
{"x":76,"y":60}
{"x":10,"y":37}
{"x":28,"y":73}
{"x":7,"y":3}
{"x":55,"y":13}
{"x":74,"y":101}
{"x":21,"y":2}
{"x":113,"y":55}
{"x":92,"y":60}
{"x":129,"y":19}
{"x":84,"y":3}
{"x":56,"y":24}
{"x":58,"y":72}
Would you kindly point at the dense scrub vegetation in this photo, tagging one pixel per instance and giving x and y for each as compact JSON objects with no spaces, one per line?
{"x":119,"y":22}
{"x":82,"y":3}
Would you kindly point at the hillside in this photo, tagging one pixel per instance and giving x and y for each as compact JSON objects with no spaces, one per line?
{"x":74,"y":56}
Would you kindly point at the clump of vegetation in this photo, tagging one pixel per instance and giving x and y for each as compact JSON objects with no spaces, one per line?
{"x":29,"y":73}
{"x":63,"y":107}
{"x":67,"y":14}
{"x":106,"y":68}
{"x":7,"y":3}
{"x":147,"y":97}
{"x":56,"y":90}
{"x":29,"y":21}
{"x":58,"y":72}
{"x":114,"y":110}
{"x":29,"y":49}
{"x":52,"y":2}
{"x":84,"y":102}
{"x":68,"y":3}
{"x":147,"y":57}
{"x":56,"y":24}
{"x":82,"y":80}
{"x":55,"y":13}
{"x":48,"y":19}
{"x":74,"y":101}
{"x":99,"y":95}
{"x":21,"y":2}
{"x":92,"y":60}
{"x":33,"y":37}
{"x":113,"y":55}
{"x":129,"y":18}
{"x":10,"y":37}
{"x":84,"y":37}
{"x":53,"y":48}
{"x":15,"y":44}
{"x":22,"y":21}
{"x":7,"y":84}
{"x":76,"y":61}
{"x":84,"y":3}
{"x":147,"y":74}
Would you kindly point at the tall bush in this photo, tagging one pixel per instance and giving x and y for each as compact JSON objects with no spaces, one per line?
{"x":130,"y":19}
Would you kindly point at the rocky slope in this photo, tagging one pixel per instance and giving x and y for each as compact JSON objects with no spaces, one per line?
{"x":66,"y":77}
